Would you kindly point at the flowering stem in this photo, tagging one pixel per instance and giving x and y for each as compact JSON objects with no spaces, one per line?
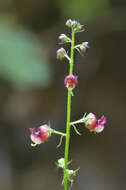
{"x":68,"y":117}
{"x":72,"y":53}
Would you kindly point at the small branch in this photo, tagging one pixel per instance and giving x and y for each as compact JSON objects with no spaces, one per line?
{"x":58,"y":133}
{"x":76,"y":122}
{"x":68,"y":57}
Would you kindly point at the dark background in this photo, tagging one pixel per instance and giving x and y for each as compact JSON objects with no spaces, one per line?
{"x":32,"y":93}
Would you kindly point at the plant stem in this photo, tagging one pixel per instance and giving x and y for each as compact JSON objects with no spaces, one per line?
{"x":72,"y":53}
{"x":68,"y":116}
{"x":76,"y":122}
{"x":58,"y":133}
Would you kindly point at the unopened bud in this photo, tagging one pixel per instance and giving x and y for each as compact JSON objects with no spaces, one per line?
{"x":64,"y":38}
{"x":84,"y":47}
{"x":69,"y":23}
{"x":75,"y":25}
{"x":61,"y":53}
{"x":61,"y":163}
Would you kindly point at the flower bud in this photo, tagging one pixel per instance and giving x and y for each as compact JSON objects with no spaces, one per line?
{"x":70,"y":81}
{"x":64,"y":38}
{"x":70,"y":172}
{"x":40,"y":135}
{"x":61,"y":53}
{"x":69,"y":23}
{"x":83,"y":47}
{"x":75,"y":25}
{"x":61,"y":163}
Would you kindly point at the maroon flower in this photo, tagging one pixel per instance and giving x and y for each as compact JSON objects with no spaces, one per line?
{"x":40,"y":135}
{"x":90,"y":121}
{"x":93,"y":124}
{"x":70,"y":81}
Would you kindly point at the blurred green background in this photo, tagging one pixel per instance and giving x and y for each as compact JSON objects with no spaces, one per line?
{"x":32,"y":93}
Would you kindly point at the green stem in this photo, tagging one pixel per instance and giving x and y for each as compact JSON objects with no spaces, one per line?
{"x":68,"y":117}
{"x":72,"y":53}
{"x":76,"y":122}
{"x":58,"y":133}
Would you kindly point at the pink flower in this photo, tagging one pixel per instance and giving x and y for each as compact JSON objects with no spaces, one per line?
{"x":90,"y":121}
{"x":40,"y":135}
{"x":70,"y":81}
{"x":93,"y":124}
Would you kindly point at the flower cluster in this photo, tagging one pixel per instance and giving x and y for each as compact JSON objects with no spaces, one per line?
{"x":71,"y":81}
{"x":43,"y":132}
{"x":94,"y":124}
{"x":75,"y":25}
{"x":69,"y":173}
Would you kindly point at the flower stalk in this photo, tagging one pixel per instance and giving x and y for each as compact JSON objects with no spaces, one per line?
{"x":90,"y":121}
{"x":68,"y":116}
{"x":58,"y":133}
